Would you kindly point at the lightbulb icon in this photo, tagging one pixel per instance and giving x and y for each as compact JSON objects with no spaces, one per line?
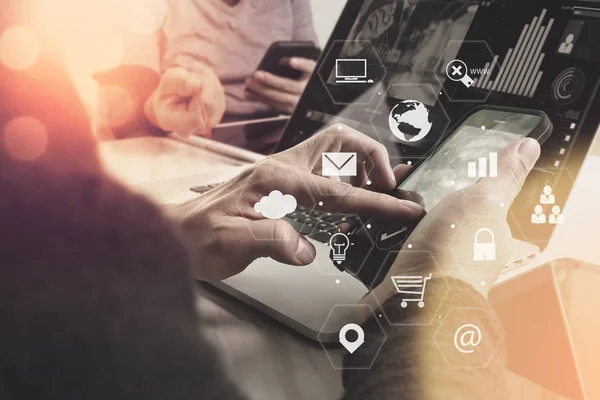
{"x":339,"y":244}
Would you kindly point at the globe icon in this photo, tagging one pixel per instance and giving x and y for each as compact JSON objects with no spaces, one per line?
{"x":409,"y":121}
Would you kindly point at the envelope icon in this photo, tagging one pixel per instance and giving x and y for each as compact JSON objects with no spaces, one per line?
{"x":339,"y":164}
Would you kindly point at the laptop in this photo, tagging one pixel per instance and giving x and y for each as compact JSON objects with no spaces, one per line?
{"x":407,"y":46}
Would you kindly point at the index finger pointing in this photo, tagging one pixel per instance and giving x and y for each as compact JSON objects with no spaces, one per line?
{"x":346,"y":199}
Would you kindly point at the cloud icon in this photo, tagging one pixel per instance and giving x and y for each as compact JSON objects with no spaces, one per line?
{"x":276,"y":205}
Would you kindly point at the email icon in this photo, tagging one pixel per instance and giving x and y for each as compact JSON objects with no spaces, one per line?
{"x":339,"y":164}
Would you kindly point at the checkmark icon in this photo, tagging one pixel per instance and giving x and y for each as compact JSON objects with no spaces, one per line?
{"x":386,"y":235}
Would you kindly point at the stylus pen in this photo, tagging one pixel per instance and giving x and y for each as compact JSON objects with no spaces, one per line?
{"x":205,"y":122}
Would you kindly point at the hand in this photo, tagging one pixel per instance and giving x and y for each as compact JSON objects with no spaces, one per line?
{"x":228,"y":234}
{"x":187,"y":102}
{"x":280,"y":93}
{"x":467,"y":210}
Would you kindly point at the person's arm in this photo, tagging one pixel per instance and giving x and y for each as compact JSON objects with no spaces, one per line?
{"x":304,"y":28}
{"x":419,"y":361}
{"x":124,"y":89}
{"x":149,"y":95}
{"x":449,"y":346}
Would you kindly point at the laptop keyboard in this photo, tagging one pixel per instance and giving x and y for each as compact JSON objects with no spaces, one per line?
{"x":317,"y":225}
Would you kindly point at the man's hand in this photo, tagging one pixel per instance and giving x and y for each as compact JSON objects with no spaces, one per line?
{"x":186,"y":102}
{"x":228,"y":233}
{"x":280,"y":93}
{"x":487,"y":201}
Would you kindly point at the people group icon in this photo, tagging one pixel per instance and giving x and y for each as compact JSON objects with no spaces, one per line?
{"x":539,"y":217}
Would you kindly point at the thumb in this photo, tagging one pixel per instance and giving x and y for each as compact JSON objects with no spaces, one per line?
{"x":515,"y":162}
{"x":280,"y":241}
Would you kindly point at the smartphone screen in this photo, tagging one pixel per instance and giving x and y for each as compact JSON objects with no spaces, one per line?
{"x":468,"y":154}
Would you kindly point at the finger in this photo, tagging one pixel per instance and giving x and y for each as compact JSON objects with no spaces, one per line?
{"x":361,"y":178}
{"x":514,"y":164}
{"x":332,"y":196}
{"x":280,"y":241}
{"x":400,"y":171}
{"x":177,"y":116}
{"x":341,"y":138}
{"x":303,"y":64}
{"x":346,"y":199}
{"x":280,"y":83}
{"x":274,"y":95}
{"x":283,"y":107}
{"x":180,"y":82}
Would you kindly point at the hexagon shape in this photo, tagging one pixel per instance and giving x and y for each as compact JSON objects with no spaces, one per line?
{"x":363,"y":170}
{"x":478,"y":155}
{"x":245,"y":205}
{"x":362,"y":253}
{"x":351,"y":64}
{"x":413,"y":286}
{"x":483,"y":245}
{"x":419,"y":93}
{"x":335,"y":323}
{"x":462,"y":341}
{"x":465,"y":70}
{"x":534,"y":227}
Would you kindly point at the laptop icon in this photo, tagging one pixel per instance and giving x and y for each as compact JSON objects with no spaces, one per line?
{"x":351,"y":70}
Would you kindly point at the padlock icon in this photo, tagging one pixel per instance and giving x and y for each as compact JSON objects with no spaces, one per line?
{"x":484,"y":251}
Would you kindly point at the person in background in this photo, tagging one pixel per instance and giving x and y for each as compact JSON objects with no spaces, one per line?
{"x":206,"y":56}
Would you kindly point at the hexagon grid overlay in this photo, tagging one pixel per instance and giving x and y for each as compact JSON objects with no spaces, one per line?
{"x":340,"y":317}
{"x":344,"y":54}
{"x":413,"y":287}
{"x":468,"y":337}
{"x":465,"y":70}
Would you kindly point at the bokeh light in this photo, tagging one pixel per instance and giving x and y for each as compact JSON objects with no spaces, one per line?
{"x":88,"y":35}
{"x":19,"y":48}
{"x":25,"y":138}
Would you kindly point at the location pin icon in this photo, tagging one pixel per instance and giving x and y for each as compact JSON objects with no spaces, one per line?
{"x":352,"y":346}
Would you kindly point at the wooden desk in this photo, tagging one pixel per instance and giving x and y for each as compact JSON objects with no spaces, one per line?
{"x":269,"y":361}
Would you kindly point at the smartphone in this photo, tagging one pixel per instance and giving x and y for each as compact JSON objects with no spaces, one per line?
{"x":467,"y":154}
{"x":470,"y":152}
{"x":274,"y":60}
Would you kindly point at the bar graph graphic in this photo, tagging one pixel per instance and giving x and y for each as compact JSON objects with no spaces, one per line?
{"x":520,"y":72}
{"x":479,"y":169}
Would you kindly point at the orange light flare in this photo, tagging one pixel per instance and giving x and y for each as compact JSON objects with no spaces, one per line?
{"x":92,"y":34}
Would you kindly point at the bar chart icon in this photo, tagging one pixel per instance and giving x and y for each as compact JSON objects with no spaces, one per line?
{"x":484,"y":167}
{"x":520,"y":72}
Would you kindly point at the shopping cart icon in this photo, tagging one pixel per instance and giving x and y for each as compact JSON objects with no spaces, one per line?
{"x":413,"y":286}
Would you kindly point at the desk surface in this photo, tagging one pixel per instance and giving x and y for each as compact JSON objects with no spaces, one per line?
{"x":271,"y":362}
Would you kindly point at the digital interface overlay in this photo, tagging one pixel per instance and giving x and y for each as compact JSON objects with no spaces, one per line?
{"x":547,"y":58}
